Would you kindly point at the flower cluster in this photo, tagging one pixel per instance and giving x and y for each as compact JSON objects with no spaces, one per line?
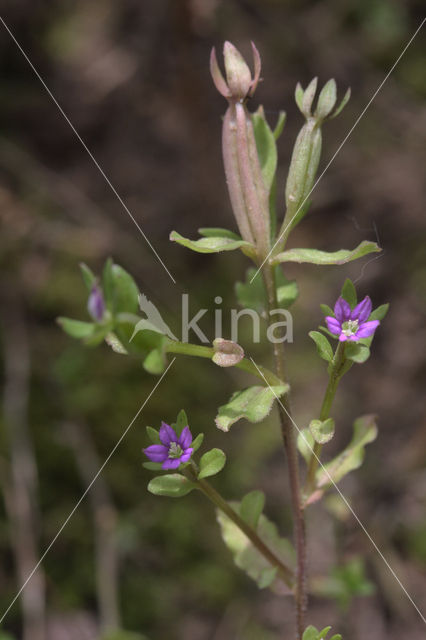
{"x":174,"y":449}
{"x":351,"y":324}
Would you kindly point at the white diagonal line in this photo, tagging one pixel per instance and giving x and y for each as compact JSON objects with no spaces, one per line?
{"x":344,"y":141}
{"x":85,"y":493}
{"x":344,"y":499}
{"x":92,"y":157}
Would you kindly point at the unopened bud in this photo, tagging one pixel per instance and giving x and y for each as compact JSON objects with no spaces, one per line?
{"x":239,"y":83}
{"x":227,"y":352}
{"x":96,"y":303}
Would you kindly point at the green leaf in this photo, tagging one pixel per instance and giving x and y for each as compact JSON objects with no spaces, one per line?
{"x":248,"y":558}
{"x":326,"y":99}
{"x":348,"y":293}
{"x":327,"y":311}
{"x":344,"y":583}
{"x":120,"y":290}
{"x":253,"y":404}
{"x":211,"y":463}
{"x":266,"y":147}
{"x":155,"y":362}
{"x":280,"y":124}
{"x":173,"y":485}
{"x":312,"y":633}
{"x":356,"y":352}
{"x":116,"y":345}
{"x":251,"y":507}
{"x":218,"y":232}
{"x":153,"y":435}
{"x":152,"y":466}
{"x":314,"y":256}
{"x":267,"y":577}
{"x":323,"y":346}
{"x":342,"y":104}
{"x":287,"y":290}
{"x":89,"y":280}
{"x":365,"y":431}
{"x":298,"y":96}
{"x":251,"y":295}
{"x":76,"y":328}
{"x":197,"y":442}
{"x":181,"y":422}
{"x":211,"y":245}
{"x":380,"y":312}
{"x":323,"y":431}
{"x":305,"y":444}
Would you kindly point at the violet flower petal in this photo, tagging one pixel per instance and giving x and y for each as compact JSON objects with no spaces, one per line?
{"x":342,"y":310}
{"x":167,"y":434}
{"x":333,"y":325}
{"x":185,"y":456}
{"x":156,"y":452}
{"x":362,"y":310}
{"x":367,"y":329}
{"x":171,"y":463}
{"x":185,"y":438}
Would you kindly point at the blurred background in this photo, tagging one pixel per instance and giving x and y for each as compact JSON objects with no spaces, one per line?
{"x":133,"y":79}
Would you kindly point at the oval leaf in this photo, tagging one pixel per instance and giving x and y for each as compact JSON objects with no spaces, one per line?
{"x":253,"y":404}
{"x":77,"y":328}
{"x":251,"y":507}
{"x":211,"y":463}
{"x":323,"y":346}
{"x":172,"y":485}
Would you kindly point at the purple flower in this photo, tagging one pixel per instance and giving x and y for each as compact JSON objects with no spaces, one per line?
{"x":352,"y":324}
{"x":96,"y":303}
{"x":174,"y":450}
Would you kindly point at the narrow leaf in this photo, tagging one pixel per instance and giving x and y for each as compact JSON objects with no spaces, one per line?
{"x":266,"y":148}
{"x":365,"y":431}
{"x":153,"y":435}
{"x":218,"y":232}
{"x":88,"y":276}
{"x":349,"y":292}
{"x":197,"y":442}
{"x":314,"y":256}
{"x":211,"y":244}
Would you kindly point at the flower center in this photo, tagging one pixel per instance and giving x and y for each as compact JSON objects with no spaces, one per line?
{"x":350,"y":327}
{"x":175,"y":450}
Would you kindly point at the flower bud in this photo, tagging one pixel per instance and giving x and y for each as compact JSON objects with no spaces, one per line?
{"x":227,"y":352}
{"x":96,"y":304}
{"x":248,"y":193}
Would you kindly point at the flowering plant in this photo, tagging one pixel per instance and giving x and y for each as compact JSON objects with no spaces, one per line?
{"x":250,"y":161}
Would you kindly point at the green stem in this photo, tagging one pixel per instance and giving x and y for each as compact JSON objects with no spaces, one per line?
{"x":214,"y":496}
{"x":290,"y":447}
{"x":336,"y":374}
{"x":187,"y":349}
